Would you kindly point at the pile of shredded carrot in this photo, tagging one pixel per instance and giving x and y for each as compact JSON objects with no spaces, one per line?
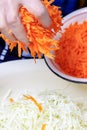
{"x":72,"y":55}
{"x":40,"y":38}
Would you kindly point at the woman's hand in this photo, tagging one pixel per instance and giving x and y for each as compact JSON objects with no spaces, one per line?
{"x":9,"y":17}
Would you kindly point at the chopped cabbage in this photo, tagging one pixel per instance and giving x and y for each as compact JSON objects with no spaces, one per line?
{"x":59,"y":113}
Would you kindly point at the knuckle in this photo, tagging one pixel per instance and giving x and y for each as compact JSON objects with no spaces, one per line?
{"x":12,"y":18}
{"x":2,"y":25}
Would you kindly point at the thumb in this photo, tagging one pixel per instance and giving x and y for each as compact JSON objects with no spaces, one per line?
{"x":38,"y":9}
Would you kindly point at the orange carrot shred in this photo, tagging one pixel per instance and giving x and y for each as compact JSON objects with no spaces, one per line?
{"x":40,"y":38}
{"x":11,"y":100}
{"x":34,"y":100}
{"x":43,"y":127}
{"x":72,"y":53}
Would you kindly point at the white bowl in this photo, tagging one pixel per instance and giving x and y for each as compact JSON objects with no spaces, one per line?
{"x":79,"y":16}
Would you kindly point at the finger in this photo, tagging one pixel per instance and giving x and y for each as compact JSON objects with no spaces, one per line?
{"x":4,"y":29}
{"x":14,"y":23}
{"x":3,"y":22}
{"x":11,"y":11}
{"x":38,"y":9}
{"x":8,"y":35}
{"x":19,"y":32}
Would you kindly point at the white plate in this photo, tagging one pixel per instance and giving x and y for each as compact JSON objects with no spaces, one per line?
{"x":36,"y":77}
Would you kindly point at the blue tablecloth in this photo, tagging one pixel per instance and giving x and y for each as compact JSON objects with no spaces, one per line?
{"x":7,"y":55}
{"x":67,"y":6}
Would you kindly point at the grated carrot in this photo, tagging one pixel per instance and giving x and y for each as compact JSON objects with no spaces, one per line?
{"x":40,"y":38}
{"x":43,"y":127}
{"x":72,"y":55}
{"x":11,"y":100}
{"x":34,"y":100}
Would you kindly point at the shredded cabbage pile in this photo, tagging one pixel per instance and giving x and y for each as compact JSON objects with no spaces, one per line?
{"x":59,"y":113}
